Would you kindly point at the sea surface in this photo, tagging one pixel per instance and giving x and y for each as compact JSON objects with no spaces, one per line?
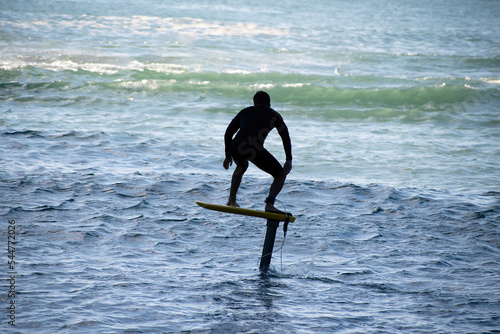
{"x":112,"y":116}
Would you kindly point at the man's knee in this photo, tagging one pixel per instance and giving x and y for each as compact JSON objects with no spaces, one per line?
{"x":280,"y":174}
{"x":241,"y":167}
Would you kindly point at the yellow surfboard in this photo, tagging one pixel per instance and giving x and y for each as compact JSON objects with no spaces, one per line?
{"x":246,"y":212}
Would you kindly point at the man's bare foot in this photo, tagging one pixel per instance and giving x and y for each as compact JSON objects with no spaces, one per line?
{"x":271,"y":208}
{"x":232,"y":203}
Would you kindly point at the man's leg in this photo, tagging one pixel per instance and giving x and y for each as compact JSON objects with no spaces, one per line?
{"x":235,"y":183}
{"x":275,"y":189}
{"x":268,"y":163}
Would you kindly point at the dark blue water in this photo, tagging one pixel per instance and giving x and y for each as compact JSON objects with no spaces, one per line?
{"x":111,"y":127}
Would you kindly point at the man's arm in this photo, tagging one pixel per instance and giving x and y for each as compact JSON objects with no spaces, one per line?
{"x":287,"y":143}
{"x":232,"y":128}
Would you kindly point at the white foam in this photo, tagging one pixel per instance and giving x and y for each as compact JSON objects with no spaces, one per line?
{"x":296,"y":85}
{"x":57,"y":65}
{"x":491,"y":81}
{"x":262,"y":86}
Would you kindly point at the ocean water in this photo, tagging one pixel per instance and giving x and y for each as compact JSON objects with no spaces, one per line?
{"x":112,"y":117}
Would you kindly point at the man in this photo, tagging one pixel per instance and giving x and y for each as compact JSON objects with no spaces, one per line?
{"x":253,"y":124}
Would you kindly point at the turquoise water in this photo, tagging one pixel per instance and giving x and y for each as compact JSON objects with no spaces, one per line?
{"x":112,"y":118}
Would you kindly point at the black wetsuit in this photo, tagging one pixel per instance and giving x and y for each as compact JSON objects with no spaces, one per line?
{"x":254,"y":124}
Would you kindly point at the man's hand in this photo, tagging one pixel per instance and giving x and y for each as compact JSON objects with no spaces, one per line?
{"x":288,"y":166}
{"x":227,"y":162}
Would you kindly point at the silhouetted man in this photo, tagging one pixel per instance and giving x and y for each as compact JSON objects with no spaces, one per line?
{"x":253,"y":124}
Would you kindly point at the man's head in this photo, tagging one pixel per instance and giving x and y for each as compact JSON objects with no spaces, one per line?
{"x":261,"y":98}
